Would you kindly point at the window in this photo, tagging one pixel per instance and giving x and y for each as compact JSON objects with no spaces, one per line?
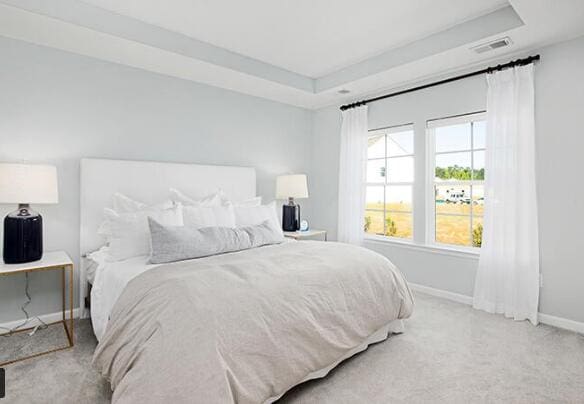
{"x":390,"y":179}
{"x":456,"y":149}
{"x":451,"y":186}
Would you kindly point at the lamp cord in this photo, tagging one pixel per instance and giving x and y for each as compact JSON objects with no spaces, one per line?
{"x":42,"y":326}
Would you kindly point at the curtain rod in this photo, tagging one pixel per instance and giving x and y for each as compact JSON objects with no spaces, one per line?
{"x":518,"y":62}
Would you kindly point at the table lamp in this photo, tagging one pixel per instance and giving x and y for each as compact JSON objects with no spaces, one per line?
{"x":290,"y":187}
{"x":23,"y":184}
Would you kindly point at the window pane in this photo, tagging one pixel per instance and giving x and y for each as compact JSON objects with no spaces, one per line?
{"x":376,"y":170}
{"x":478,"y":200}
{"x":452,"y":138}
{"x":400,"y":169}
{"x":400,"y":143}
{"x":376,"y":147}
{"x":398,"y":224}
{"x":459,"y":159}
{"x":398,"y":198}
{"x":374,"y":198}
{"x":453,"y":230}
{"x":479,"y":165}
{"x":453,"y":166}
{"x":479,"y":134}
{"x":373,"y":222}
{"x":477,"y":231}
{"x":453,"y":199}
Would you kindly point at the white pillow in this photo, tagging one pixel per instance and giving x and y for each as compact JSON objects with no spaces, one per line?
{"x":128,"y":234}
{"x":249,"y":203}
{"x":208,"y":216}
{"x":255,"y":215}
{"x":123,"y":204}
{"x":215,"y":199}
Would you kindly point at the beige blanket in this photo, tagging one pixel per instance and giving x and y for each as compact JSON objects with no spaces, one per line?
{"x":247,"y":326}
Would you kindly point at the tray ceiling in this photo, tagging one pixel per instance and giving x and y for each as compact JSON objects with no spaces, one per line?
{"x":301,"y":52}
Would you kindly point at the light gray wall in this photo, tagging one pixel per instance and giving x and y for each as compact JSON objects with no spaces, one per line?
{"x":57,"y":107}
{"x":559,"y":113}
{"x":559,"y":146}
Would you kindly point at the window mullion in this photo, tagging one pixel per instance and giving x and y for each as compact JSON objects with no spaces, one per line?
{"x":472,"y":176}
{"x":385,"y":189}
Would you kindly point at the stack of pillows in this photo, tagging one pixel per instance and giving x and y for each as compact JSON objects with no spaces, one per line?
{"x":185,"y":228}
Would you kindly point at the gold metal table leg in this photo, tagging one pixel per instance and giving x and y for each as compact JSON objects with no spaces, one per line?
{"x":68,"y":324}
{"x":72,"y":340}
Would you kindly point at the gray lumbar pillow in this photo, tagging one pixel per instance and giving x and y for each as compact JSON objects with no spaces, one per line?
{"x":171,"y":243}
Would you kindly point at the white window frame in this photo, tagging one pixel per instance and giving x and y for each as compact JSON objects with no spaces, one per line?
{"x":431,"y":125}
{"x":386,"y":131}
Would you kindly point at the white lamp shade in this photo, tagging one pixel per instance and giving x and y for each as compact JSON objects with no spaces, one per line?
{"x":291,"y":186}
{"x":28,"y":183}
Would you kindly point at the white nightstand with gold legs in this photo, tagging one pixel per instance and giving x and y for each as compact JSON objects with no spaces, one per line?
{"x":51,"y":261}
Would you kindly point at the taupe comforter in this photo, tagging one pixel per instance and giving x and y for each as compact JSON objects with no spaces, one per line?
{"x":246,"y":326}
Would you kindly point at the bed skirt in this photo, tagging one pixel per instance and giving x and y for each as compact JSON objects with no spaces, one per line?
{"x":393,"y":327}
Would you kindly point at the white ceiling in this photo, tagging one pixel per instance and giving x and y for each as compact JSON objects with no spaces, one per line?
{"x":309,"y":37}
{"x":297,"y":52}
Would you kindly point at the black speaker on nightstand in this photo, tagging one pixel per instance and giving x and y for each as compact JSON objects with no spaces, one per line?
{"x":23,"y":228}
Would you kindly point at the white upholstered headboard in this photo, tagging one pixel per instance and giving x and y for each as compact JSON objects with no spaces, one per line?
{"x":149,"y":182}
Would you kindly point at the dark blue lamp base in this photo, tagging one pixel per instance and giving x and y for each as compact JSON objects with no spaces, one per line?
{"x":290,"y":216}
{"x":23,"y":236}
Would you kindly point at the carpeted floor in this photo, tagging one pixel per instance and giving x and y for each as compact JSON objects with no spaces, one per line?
{"x":449,"y":353}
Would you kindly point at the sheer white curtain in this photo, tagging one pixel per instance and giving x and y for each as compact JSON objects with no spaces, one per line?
{"x":507,"y":280}
{"x":352,"y":168}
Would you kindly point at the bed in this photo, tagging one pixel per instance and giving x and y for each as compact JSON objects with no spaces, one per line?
{"x":242,"y":327}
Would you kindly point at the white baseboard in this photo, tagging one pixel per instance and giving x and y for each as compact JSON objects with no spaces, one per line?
{"x":47,"y":318}
{"x":548,"y":319}
{"x":561,"y":322}
{"x":456,"y":297}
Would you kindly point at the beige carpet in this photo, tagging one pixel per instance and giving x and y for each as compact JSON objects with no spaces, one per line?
{"x":449,"y":353}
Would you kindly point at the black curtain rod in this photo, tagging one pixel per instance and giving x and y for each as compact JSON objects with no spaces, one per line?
{"x":518,"y":62}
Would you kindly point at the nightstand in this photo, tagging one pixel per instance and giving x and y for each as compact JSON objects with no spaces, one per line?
{"x":51,"y":261}
{"x":305,"y":235}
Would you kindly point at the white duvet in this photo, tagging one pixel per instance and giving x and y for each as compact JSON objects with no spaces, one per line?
{"x":245,"y":327}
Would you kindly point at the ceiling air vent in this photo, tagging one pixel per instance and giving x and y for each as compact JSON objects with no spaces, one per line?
{"x":496,"y":44}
